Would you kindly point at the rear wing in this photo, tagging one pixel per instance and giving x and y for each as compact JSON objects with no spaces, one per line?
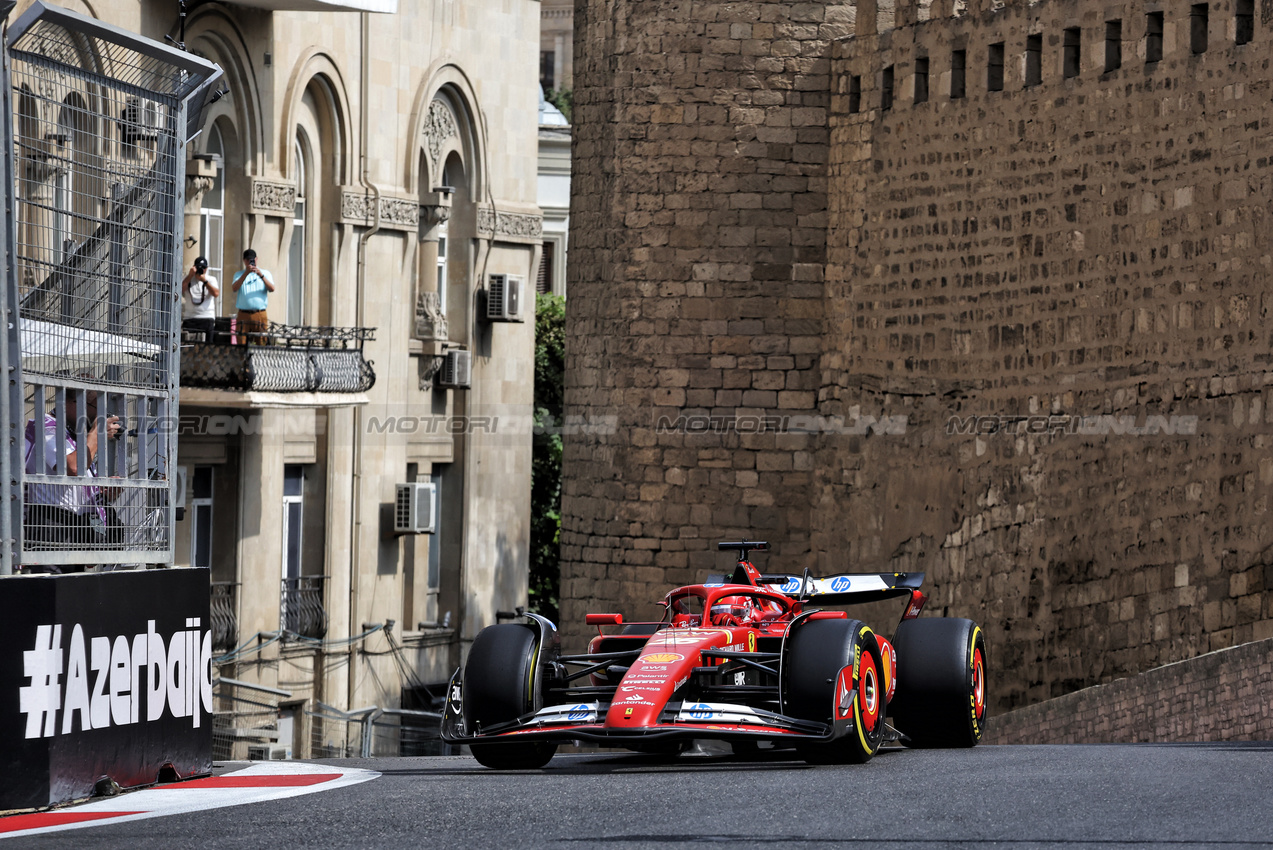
{"x":848,"y":589}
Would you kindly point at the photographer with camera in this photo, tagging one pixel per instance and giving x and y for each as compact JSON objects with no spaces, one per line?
{"x":253,"y":285}
{"x":198,"y":293}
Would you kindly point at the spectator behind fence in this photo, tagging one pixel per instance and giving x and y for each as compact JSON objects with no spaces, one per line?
{"x":199,"y":291}
{"x":69,"y":516}
{"x":253,"y":285}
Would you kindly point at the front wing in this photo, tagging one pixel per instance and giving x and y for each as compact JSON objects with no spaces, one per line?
{"x":679,"y":720}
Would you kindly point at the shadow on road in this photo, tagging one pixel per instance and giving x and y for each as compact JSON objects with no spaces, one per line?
{"x":620,"y":762}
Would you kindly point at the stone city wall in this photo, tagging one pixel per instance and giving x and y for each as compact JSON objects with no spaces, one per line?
{"x":1225,"y":695}
{"x":1035,"y":343}
{"x":697,"y":247}
{"x":1088,"y":247}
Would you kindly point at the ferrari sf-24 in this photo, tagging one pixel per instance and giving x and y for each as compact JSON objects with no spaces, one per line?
{"x":743,"y":658}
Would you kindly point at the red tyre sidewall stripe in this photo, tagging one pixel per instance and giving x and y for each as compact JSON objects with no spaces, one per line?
{"x":978,"y":683}
{"x":869,"y":679}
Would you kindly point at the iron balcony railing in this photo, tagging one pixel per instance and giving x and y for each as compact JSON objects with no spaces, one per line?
{"x":302,"y":610}
{"x":283,"y":358}
{"x":225,"y":626}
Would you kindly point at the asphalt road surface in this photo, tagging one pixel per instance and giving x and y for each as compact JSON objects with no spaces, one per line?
{"x":1156,"y":796}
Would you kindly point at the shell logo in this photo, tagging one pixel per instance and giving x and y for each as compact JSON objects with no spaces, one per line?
{"x":662,"y":658}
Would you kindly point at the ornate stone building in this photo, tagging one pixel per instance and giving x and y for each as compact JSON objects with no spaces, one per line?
{"x":974,"y":292}
{"x":380,"y":158}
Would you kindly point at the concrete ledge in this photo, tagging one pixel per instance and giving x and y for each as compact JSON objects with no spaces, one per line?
{"x":1225,"y":695}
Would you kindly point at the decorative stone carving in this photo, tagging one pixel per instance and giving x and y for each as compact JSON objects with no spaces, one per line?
{"x":400,"y":212}
{"x":395,"y":213}
{"x":497,"y":224}
{"x":439,"y":128}
{"x":430,"y":321}
{"x":429,"y":368}
{"x":195,"y":187}
{"x":435,"y":210}
{"x":270,"y":197}
{"x":355,"y":206}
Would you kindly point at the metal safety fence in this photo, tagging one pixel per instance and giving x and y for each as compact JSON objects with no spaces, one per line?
{"x":95,"y":131}
{"x":375,"y":732}
{"x":245,"y":720}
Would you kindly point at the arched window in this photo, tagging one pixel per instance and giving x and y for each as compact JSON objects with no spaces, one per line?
{"x":212,"y":214}
{"x":296,"y":253}
{"x":62,"y":146}
{"x":442,"y":239}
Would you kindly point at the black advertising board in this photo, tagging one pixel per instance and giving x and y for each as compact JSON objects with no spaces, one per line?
{"x":102,"y":674}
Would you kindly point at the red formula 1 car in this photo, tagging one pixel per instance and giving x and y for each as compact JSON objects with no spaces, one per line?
{"x":744,"y":659}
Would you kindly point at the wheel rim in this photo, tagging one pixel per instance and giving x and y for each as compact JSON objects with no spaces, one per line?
{"x":869,"y":692}
{"x":978,"y":684}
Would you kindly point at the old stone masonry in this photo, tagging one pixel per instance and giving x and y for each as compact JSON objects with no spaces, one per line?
{"x":975,"y":290}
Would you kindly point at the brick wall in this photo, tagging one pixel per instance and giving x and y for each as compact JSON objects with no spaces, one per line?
{"x":1092,"y":251}
{"x":1225,"y":695}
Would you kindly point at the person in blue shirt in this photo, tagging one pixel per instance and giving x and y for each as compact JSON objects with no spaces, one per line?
{"x":253,"y":285}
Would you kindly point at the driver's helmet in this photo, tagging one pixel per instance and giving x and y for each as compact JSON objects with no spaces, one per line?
{"x":735,"y":609}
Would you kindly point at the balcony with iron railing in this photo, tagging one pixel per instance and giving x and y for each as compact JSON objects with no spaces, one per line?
{"x":280,"y":359}
{"x":301,"y":608}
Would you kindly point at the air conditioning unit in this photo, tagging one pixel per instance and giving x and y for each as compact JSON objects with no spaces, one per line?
{"x":269,"y":752}
{"x":413,"y":508}
{"x":504,"y":298}
{"x":143,"y":119}
{"x":457,"y":369}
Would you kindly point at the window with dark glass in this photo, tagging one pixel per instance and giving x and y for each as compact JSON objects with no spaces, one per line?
{"x":886,"y":88}
{"x":921,"y":79}
{"x":958,"y":67}
{"x":201,"y":515}
{"x":547,"y":59}
{"x":855,"y":94}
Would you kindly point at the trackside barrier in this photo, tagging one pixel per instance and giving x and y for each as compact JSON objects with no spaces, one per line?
{"x":375,"y":732}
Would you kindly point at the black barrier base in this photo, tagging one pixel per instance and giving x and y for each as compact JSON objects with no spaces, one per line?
{"x":102,"y":675}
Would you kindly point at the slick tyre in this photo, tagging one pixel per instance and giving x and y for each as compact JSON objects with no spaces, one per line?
{"x":822,"y":682}
{"x":940,"y":699}
{"x":499,"y":686}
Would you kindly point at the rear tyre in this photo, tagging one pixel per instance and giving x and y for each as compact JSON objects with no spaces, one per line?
{"x":820,"y":685}
{"x":941,"y":682}
{"x":499,"y":686}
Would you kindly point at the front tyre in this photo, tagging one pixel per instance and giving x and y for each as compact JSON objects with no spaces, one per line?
{"x":832,"y":674}
{"x":941,"y":682}
{"x":499,"y":685}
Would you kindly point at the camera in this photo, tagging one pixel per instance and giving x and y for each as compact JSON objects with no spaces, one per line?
{"x":201,"y":265}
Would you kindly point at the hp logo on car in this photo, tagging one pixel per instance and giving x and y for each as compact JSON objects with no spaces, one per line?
{"x":701,"y":712}
{"x":579,"y":712}
{"x":840,"y":584}
{"x":792,"y":585}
